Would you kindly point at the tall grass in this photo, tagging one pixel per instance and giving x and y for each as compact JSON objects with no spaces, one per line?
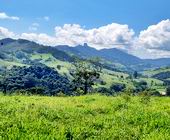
{"x":85,"y":117}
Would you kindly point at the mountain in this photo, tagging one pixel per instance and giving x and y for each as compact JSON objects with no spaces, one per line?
{"x":116,"y":55}
{"x":117,"y":64}
{"x":113,"y":54}
{"x":64,"y":53}
{"x":9,"y":46}
{"x":158,"y":62}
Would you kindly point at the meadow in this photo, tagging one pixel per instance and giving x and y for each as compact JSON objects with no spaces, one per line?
{"x":84,"y":117}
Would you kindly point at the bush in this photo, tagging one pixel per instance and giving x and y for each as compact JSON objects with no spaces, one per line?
{"x":140,"y":86}
{"x":154,"y":93}
{"x":104,"y":91}
{"x":117,"y":87}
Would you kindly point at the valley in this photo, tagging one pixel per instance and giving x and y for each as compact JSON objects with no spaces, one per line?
{"x":115,"y":70}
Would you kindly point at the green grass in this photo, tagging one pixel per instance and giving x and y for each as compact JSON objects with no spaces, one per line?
{"x":155,"y":71}
{"x":10,"y":63}
{"x":86,"y":117}
{"x":51,"y":61}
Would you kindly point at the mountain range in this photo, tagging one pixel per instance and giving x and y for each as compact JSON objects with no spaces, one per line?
{"x":66,"y":53}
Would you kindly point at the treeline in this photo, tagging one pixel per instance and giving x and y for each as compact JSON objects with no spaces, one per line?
{"x":36,"y":79}
{"x":39,"y":79}
{"x":164,"y":76}
{"x":43,"y":80}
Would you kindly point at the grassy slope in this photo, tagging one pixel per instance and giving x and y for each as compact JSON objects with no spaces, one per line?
{"x":108,"y":76}
{"x":10,"y":63}
{"x":86,"y":117}
{"x":156,"y":71}
{"x":51,"y":61}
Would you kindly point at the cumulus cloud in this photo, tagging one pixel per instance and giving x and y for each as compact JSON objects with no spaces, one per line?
{"x":5,"y":16}
{"x":113,"y":35}
{"x":103,"y":37}
{"x":153,"y":42}
{"x":5,"y":33}
{"x":40,"y":38}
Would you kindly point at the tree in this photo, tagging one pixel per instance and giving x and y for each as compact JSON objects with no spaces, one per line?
{"x":96,"y":62}
{"x":117,"y":87}
{"x":3,"y":82}
{"x":85,"y":75}
{"x":36,"y":79}
{"x":140,"y":86}
{"x":135,"y":74}
{"x":168,"y":91}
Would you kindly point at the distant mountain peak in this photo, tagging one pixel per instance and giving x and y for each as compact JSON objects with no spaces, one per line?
{"x":85,"y":45}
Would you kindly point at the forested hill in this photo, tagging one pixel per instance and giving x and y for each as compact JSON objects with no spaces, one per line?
{"x":9,"y":46}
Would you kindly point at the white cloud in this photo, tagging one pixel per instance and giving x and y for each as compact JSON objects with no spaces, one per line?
{"x":5,"y":33}
{"x":5,"y":16}
{"x":46,"y":18}
{"x":39,"y":38}
{"x":103,"y":37}
{"x":34,"y":26}
{"x":153,"y":42}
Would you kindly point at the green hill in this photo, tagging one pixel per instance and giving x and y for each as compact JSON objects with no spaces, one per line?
{"x":26,"y":53}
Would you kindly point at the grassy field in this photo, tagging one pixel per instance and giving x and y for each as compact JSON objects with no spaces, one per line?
{"x":156,"y":71}
{"x":86,"y":117}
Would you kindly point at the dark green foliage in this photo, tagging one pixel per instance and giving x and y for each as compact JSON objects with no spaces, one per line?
{"x":36,"y":79}
{"x":162,"y":75}
{"x":58,"y":67}
{"x":21,"y":45}
{"x":154,"y":93}
{"x":104,"y":91}
{"x":103,"y":82}
{"x":140,"y":86}
{"x":135,"y":74}
{"x":2,"y":56}
{"x":96,"y":62}
{"x":85,"y":76}
{"x":117,"y":87}
{"x":168,"y":91}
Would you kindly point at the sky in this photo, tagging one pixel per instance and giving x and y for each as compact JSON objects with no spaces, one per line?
{"x":140,"y":27}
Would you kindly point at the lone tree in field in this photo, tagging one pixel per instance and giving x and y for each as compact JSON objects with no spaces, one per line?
{"x":85,"y":75}
{"x":135,"y":74}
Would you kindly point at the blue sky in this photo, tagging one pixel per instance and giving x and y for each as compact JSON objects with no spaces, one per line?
{"x":143,"y":26}
{"x":138,"y":14}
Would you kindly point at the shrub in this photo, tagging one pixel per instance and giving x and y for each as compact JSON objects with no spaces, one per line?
{"x":117,"y":87}
{"x":154,"y":93}
{"x":140,"y":86}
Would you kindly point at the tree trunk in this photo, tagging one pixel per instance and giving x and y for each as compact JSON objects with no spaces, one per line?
{"x":4,"y":89}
